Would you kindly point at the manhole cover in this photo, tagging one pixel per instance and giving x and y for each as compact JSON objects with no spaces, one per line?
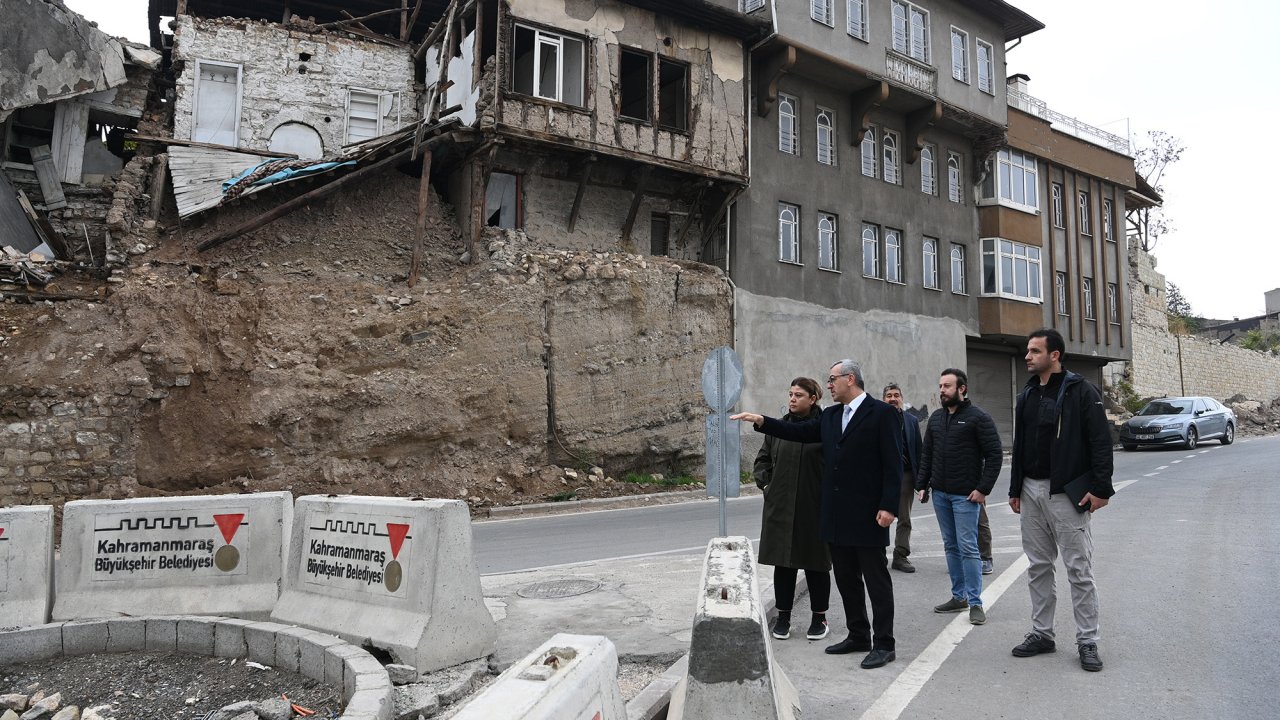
{"x":564,"y":587}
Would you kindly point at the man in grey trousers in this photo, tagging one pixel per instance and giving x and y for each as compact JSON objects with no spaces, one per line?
{"x":1060,"y":435}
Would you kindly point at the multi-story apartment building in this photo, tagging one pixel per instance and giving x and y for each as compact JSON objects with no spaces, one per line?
{"x":871,"y":121}
{"x":1051,"y":250}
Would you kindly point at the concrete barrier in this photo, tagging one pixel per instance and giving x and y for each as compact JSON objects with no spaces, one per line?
{"x":732,"y":675}
{"x":388,"y":573}
{"x":570,"y":676}
{"x":198,"y":555}
{"x":26,"y":565}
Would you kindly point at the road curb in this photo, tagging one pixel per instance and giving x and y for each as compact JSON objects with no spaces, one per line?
{"x":568,"y":506}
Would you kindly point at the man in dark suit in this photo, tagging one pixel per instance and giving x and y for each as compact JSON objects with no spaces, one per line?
{"x":861,"y":483}
{"x":892,"y":394}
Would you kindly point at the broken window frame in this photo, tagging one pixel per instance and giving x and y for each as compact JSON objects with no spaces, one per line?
{"x":648,"y":85}
{"x":391,"y":99}
{"x":239,"y":104}
{"x":686,"y":103}
{"x":7,"y":133}
{"x":543,"y":37}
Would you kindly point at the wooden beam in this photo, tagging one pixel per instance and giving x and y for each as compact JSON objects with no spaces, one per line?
{"x":158,"y":185}
{"x":404,"y":20}
{"x":435,"y":32}
{"x":861,"y":103}
{"x":44,"y":229}
{"x":715,"y":219}
{"x":771,"y":71}
{"x":210,"y":146}
{"x":583,"y":179}
{"x":688,"y":219}
{"x":305,"y":199}
{"x":353,"y":20}
{"x":413,"y":20}
{"x":479,"y":187}
{"x":420,"y":228}
{"x":47,"y":175}
{"x":477,"y":61}
{"x":917,"y":122}
{"x":637,"y":193}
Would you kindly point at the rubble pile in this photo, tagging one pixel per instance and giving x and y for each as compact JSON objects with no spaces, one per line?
{"x":1256,"y":417}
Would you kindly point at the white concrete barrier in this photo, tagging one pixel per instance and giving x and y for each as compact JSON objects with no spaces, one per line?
{"x":26,"y":565}
{"x":732,"y":675}
{"x":388,"y":573}
{"x":197,"y":555}
{"x":570,"y":677}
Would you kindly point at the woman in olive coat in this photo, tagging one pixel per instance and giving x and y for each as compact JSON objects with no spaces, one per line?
{"x":790,"y":474}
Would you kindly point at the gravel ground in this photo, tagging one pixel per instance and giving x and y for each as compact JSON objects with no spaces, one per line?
{"x":164,"y":686}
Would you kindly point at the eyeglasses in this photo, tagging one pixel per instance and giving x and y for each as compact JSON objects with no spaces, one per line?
{"x":832,"y":378}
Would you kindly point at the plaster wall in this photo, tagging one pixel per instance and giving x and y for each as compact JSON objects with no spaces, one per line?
{"x":279,"y":87}
{"x":716,"y":135}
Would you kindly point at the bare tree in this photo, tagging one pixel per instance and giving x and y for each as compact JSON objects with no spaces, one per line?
{"x":1150,"y":162}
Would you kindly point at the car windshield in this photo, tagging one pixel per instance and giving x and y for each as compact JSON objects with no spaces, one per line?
{"x":1168,"y":407}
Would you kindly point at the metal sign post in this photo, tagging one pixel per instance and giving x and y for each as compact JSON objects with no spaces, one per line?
{"x":721,"y":388}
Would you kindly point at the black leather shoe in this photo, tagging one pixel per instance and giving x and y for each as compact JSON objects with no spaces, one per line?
{"x":848,"y":645}
{"x":878,"y":658}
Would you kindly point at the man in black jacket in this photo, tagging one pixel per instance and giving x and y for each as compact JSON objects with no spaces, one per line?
{"x":1060,"y":435}
{"x":861,"y":481}
{"x":960,"y":461}
{"x":892,"y":394}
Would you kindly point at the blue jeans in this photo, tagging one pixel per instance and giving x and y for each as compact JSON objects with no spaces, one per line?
{"x":958,"y":521}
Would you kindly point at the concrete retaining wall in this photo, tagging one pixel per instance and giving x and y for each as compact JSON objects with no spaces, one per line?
{"x":569,"y":676}
{"x":26,"y":565}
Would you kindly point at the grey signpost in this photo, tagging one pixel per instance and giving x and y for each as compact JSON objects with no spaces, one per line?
{"x":721,"y":387}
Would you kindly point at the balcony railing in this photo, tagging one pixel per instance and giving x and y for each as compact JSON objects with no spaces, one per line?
{"x":911,"y":73}
{"x":1068,"y":125}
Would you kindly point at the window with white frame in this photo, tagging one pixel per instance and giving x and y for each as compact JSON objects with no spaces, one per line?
{"x":928,"y":171}
{"x":929,"y":262}
{"x":1083,"y":201}
{"x":1011,"y":270}
{"x":752,"y":5}
{"x":1106,"y":220}
{"x":1060,"y":292}
{"x":1113,"y":304}
{"x":787,"y":141}
{"x":828,"y":242}
{"x":869,"y":152}
{"x":958,"y":284}
{"x":549,"y":65}
{"x":870,"y":250}
{"x":911,"y":30}
{"x":1086,"y":289}
{"x":953,"y":177}
{"x":216,"y":111}
{"x":1014,"y":182}
{"x":826,"y":137}
{"x":986,"y":68}
{"x":821,"y":11}
{"x":891,"y":157}
{"x":1056,"y":191}
{"x":893,"y":255}
{"x":857,"y":18}
{"x":789,"y":233}
{"x":959,"y":54}
{"x":370,"y":113}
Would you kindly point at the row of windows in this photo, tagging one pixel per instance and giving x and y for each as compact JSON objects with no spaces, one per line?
{"x":910,"y":35}
{"x":1082,"y":202}
{"x":552,"y":66}
{"x":1062,"y":301}
{"x":882,"y":251}
{"x":1015,"y":180}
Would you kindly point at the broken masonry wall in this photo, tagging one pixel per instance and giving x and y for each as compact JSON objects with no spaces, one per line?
{"x":279,"y":86}
{"x":716,"y":135}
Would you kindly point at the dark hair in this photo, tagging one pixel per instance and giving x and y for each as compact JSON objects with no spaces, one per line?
{"x":1052,"y":340}
{"x":962,"y":380}
{"x":887,"y":388}
{"x":809,"y":385}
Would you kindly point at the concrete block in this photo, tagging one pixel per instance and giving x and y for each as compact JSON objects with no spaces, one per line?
{"x":371,"y":703}
{"x":228,"y":638}
{"x":84,"y":638}
{"x":126,"y":635}
{"x":397,"y":574}
{"x":260,"y":638}
{"x":36,"y":642}
{"x":410,"y":701}
{"x":568,"y":676}
{"x":362,"y":670}
{"x":335,"y":665}
{"x":199,"y":555}
{"x":26,"y":565}
{"x":289,"y":647}
{"x":732,"y":675}
{"x":195,"y":635}
{"x":311,"y":660}
{"x":162,"y":634}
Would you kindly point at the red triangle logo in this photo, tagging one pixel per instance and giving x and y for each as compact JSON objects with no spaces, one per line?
{"x":228,"y":524}
{"x":397,"y":531}
{"x":1,"y":532}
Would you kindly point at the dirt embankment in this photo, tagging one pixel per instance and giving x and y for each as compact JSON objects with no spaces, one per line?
{"x":298,"y":358}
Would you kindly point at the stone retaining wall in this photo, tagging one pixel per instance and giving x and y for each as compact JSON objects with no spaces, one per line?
{"x":363,"y":681}
{"x":1166,"y":364}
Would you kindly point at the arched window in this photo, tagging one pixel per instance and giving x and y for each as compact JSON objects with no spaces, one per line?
{"x":928,"y":172}
{"x":827,"y":235}
{"x":930,"y":263}
{"x":870,"y":251}
{"x":787,"y":125}
{"x":890,"y":157}
{"x":958,"y":284}
{"x":788,"y":233}
{"x":869,"y":152}
{"x":826,"y":138}
{"x":953,"y":178}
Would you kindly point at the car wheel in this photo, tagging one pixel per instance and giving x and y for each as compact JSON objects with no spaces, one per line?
{"x":1192,"y":438}
{"x":1229,"y":436}
{"x":1130,"y":448}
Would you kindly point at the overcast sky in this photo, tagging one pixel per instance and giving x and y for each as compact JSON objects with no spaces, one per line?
{"x":1198,"y":71}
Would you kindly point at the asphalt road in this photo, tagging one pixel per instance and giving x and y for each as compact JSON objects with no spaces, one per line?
{"x":1188,"y":566}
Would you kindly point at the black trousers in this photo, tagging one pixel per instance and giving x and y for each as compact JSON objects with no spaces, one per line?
{"x":784,"y":588}
{"x":856,"y":567}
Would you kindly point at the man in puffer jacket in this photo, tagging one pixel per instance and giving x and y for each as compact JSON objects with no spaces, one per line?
{"x":960,"y":462}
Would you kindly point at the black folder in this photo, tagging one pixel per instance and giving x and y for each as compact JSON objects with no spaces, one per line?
{"x":1077,"y":489}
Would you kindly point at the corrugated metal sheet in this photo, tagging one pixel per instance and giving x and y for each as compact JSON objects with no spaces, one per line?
{"x":198,"y":174}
